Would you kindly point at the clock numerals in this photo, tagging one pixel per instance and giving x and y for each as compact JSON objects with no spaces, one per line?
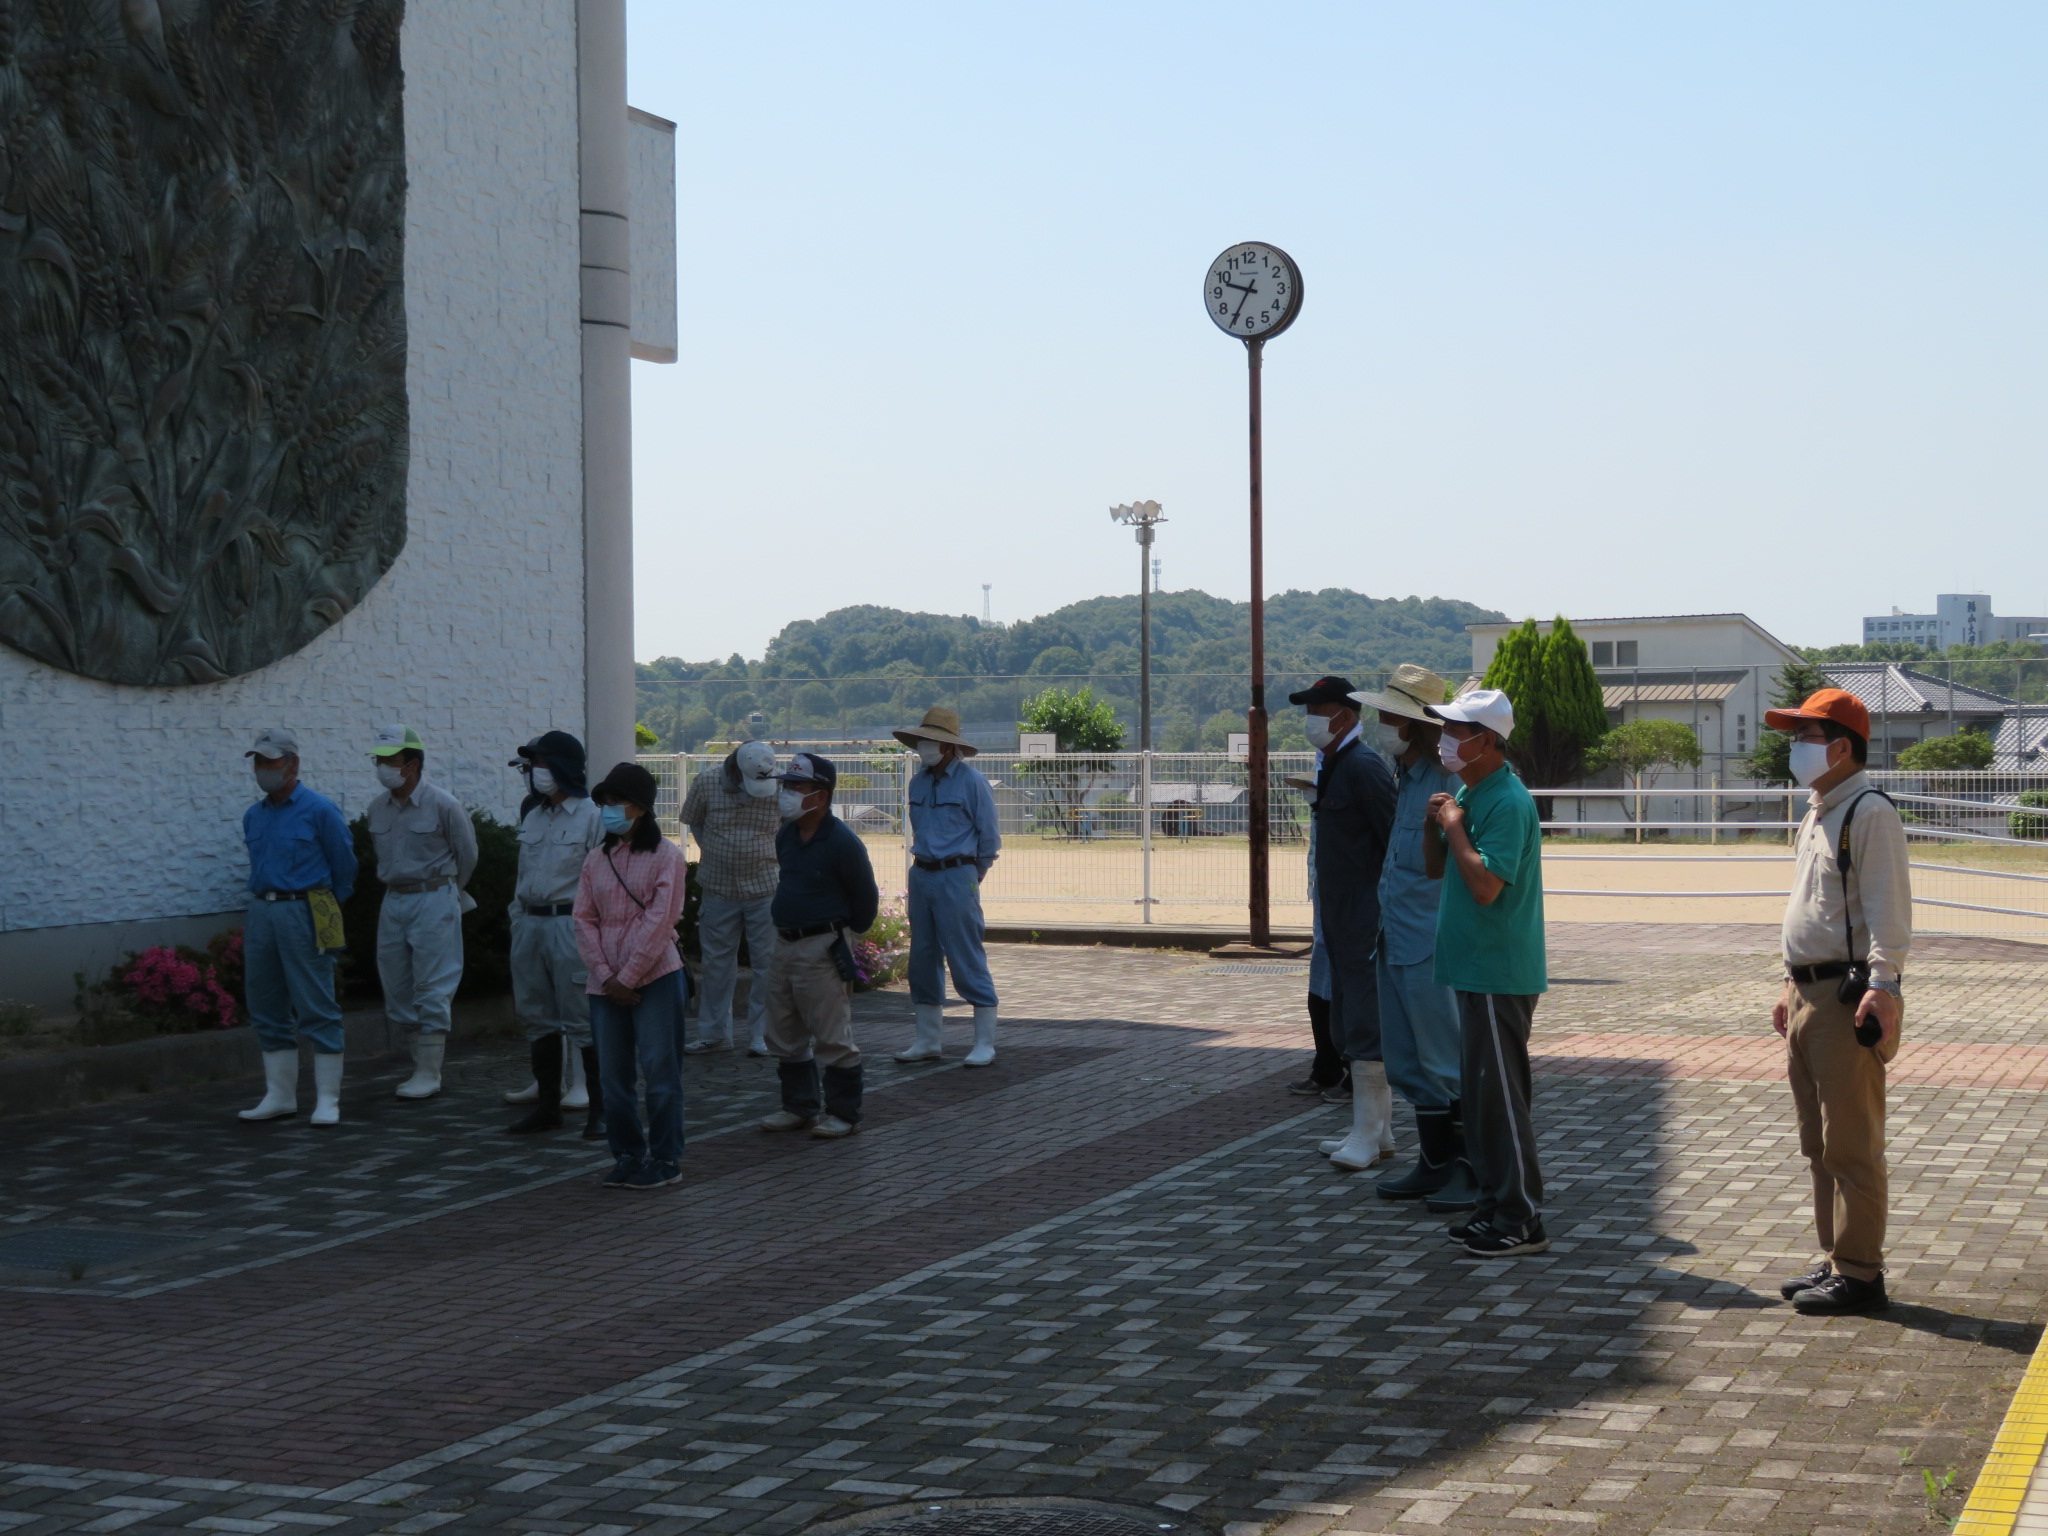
{"x":1249,"y":291}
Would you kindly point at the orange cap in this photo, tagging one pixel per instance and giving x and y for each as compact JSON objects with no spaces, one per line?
{"x":1835,"y":704}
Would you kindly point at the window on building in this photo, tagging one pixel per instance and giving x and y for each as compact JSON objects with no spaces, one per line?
{"x":1624,"y":653}
{"x":1603,"y":653}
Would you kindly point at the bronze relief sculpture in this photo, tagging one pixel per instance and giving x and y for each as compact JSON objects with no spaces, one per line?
{"x":203,"y":426}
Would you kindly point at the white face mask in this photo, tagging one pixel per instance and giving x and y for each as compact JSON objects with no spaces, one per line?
{"x":1809,"y":760}
{"x":1321,"y":733}
{"x":1448,"y":754}
{"x":1388,"y":738}
{"x":930,"y":753}
{"x":790,"y":803}
{"x":543,"y":781}
{"x":391,"y":776}
{"x":270,"y":780}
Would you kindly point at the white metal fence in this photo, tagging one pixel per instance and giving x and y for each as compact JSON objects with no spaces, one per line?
{"x":1134,"y":837}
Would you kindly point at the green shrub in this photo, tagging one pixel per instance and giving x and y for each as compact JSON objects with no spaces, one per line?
{"x":2021,"y":825}
{"x":17,"y":1019}
{"x":1966,"y":750}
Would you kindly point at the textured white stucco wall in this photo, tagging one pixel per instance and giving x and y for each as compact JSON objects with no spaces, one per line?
{"x":122,"y":804}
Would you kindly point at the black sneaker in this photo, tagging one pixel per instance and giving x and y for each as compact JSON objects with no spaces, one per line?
{"x":1491,"y":1242}
{"x":654,"y":1175}
{"x":1813,"y":1277}
{"x":1464,"y":1229}
{"x":1842,"y":1296}
{"x":1307,"y":1088}
{"x":621,"y":1175}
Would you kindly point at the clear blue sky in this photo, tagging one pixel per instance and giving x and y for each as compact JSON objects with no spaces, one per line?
{"x":1609,"y":308}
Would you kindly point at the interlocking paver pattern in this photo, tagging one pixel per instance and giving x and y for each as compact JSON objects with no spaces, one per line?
{"x":1111,"y":1268}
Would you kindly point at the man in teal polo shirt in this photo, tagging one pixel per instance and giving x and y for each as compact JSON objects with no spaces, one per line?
{"x":1489,"y":949}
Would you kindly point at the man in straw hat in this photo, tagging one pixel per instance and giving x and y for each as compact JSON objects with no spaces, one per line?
{"x":1419,"y":1030}
{"x":1354,"y":808}
{"x":953,"y":841}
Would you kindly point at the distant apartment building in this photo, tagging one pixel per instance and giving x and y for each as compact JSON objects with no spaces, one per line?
{"x":1959,"y":618}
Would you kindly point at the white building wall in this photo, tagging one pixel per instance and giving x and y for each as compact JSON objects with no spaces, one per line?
{"x":124,"y":804}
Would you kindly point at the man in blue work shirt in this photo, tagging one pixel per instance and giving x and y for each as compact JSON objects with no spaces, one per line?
{"x":302,"y":864}
{"x":953,"y":841}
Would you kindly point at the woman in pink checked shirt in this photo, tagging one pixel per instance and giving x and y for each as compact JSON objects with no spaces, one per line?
{"x":627,"y":902}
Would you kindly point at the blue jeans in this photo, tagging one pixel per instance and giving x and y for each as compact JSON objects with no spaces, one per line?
{"x":1420,"y":1033}
{"x":644,"y":1041}
{"x":290,"y":982}
{"x":945,"y":931}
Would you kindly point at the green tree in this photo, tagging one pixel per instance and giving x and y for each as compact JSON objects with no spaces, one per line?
{"x":1079,"y":723}
{"x":1639,"y":748}
{"x":1559,"y":711}
{"x":1967,"y":749}
{"x":643,"y":738}
{"x":2020,"y":824}
{"x":1771,"y":762}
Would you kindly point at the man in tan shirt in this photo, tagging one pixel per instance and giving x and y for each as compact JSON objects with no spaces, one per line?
{"x":1845,"y":913}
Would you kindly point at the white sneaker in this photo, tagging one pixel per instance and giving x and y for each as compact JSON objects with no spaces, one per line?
{"x":924,"y":1044}
{"x":425,"y":1082}
{"x":783,"y":1120}
{"x":326,"y":1090}
{"x":984,"y":1052}
{"x":831,"y":1128}
{"x":280,"y":1086}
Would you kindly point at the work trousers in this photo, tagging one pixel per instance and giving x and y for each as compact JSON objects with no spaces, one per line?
{"x":1354,"y":1001}
{"x":648,"y":1039}
{"x":549,"y":979}
{"x":1421,"y":1036}
{"x":289,"y":979}
{"x":720,"y":922}
{"x":810,"y":1026}
{"x":419,"y":957}
{"x":1838,"y":1091}
{"x":1500,"y":1137}
{"x":946,"y":933}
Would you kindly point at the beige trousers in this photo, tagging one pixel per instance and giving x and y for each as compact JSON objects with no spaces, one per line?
{"x":810,"y":1010}
{"x":1838,"y":1090}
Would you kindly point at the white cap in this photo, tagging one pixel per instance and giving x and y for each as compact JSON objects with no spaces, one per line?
{"x":274,"y":743}
{"x":755,"y":761}
{"x":1482,"y":706}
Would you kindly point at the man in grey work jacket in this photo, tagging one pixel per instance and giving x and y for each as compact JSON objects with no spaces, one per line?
{"x":426,"y":852}
{"x":953,"y":841}
{"x":731,"y":812}
{"x":558,"y":826}
{"x":1354,"y":811}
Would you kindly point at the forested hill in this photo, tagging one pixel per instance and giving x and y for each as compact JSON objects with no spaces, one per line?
{"x":1330,"y":630}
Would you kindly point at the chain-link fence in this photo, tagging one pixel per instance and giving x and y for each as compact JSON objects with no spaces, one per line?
{"x":1111,"y":838}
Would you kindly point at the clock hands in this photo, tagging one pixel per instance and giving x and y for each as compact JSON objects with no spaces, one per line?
{"x":1248,"y":289}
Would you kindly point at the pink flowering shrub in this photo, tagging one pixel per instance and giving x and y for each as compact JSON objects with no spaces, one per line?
{"x":883,"y":952}
{"x":178,"y":989}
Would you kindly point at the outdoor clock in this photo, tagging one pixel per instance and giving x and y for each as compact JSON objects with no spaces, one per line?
{"x":1252,"y":291}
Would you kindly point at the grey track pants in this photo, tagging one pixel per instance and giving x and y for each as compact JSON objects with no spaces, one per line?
{"x":1500,"y":1137}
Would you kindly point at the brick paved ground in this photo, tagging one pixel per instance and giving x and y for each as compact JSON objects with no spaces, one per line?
{"x":1110,"y":1268}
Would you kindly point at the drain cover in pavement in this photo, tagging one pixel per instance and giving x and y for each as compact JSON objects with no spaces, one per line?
{"x":82,"y":1248}
{"x":1258,"y":968}
{"x":1017,"y":1520}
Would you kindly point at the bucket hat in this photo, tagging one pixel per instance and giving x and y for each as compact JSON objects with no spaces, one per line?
{"x":940,"y":724}
{"x":629,"y":782}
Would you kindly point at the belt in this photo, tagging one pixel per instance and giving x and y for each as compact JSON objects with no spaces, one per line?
{"x":281,"y":895}
{"x":791,"y":935}
{"x":953,"y":863}
{"x":1827,"y":970}
{"x":544,"y":909}
{"x":414,"y":887}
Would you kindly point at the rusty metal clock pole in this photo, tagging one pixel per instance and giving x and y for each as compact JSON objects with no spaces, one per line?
{"x":1255,"y":768}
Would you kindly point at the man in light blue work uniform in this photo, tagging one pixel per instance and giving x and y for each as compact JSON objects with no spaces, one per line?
{"x":299,"y":847}
{"x":426,"y":852}
{"x":953,"y":841}
{"x":1420,"y":1032}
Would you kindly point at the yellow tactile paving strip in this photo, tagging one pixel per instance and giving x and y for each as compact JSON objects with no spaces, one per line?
{"x":2001,"y":1488}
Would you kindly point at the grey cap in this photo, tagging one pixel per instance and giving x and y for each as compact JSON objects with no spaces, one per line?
{"x":274,"y":743}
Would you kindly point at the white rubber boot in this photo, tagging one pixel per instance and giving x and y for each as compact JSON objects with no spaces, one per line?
{"x":530,"y":1094}
{"x":1383,"y":1109}
{"x":425,"y":1082}
{"x":1361,"y":1149}
{"x":924,"y":1045}
{"x":280,"y":1086}
{"x":984,"y":1052}
{"x":575,"y":1091}
{"x":326,"y":1090}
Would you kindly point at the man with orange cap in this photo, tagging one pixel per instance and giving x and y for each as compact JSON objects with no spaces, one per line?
{"x":1848,"y":924}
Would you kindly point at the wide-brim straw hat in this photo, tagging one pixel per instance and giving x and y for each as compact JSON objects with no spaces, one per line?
{"x":939,"y":724}
{"x":1408,"y":693}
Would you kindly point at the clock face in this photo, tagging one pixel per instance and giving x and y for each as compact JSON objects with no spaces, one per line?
{"x":1252,"y":290}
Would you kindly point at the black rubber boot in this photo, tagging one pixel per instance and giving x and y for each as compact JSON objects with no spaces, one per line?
{"x":1434,"y":1164}
{"x":593,"y":1117}
{"x":1460,"y":1194}
{"x":799,"y":1087}
{"x":546,"y":1114}
{"x":843,"y":1093}
{"x":1327,"y":1070}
